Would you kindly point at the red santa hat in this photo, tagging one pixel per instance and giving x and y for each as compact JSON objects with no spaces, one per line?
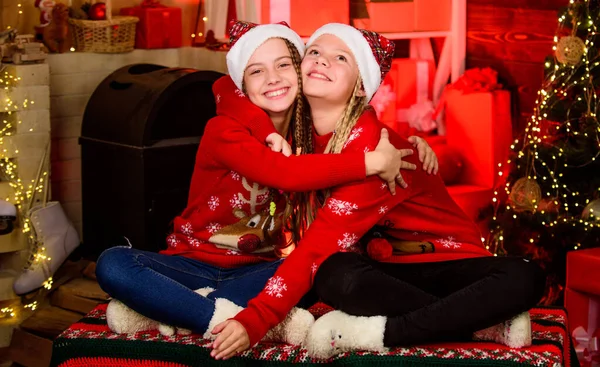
{"x":372,"y":51}
{"x":246,"y":37}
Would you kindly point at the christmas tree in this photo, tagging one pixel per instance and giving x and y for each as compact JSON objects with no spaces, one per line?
{"x":550,"y":201}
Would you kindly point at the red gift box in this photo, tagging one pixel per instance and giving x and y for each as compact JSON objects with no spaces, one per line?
{"x":159,"y":25}
{"x":384,"y":100}
{"x":305,"y":16}
{"x":393,"y":16}
{"x":478,"y":121}
{"x":433,"y":15}
{"x":582,"y":301}
{"x":407,"y":87}
{"x":414,"y":84}
{"x":486,"y":141}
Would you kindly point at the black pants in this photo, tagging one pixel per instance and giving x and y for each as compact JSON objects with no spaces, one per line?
{"x":430,"y":302}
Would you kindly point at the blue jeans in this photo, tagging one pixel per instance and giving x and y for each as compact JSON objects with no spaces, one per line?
{"x":161,"y":287}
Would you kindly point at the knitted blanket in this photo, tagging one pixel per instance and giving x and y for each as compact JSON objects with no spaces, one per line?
{"x":89,"y":343}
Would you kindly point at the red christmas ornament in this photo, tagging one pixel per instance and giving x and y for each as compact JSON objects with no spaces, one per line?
{"x":97,"y":11}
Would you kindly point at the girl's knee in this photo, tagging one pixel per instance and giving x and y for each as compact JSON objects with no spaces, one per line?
{"x":110,"y":266}
{"x":527,"y":279}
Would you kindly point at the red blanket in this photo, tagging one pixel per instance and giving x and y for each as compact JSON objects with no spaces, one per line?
{"x":90,"y":343}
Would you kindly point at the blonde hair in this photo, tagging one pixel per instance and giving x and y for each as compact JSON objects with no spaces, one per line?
{"x":343,"y":127}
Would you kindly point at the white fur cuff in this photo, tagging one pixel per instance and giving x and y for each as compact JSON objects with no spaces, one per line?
{"x":224,"y":310}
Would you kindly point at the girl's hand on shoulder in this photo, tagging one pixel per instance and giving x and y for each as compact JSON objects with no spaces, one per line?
{"x":278,"y":144}
{"x":233,"y":338}
{"x":426,"y":154}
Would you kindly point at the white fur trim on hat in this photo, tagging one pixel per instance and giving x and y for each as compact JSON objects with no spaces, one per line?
{"x":242,"y":50}
{"x":368,"y":67}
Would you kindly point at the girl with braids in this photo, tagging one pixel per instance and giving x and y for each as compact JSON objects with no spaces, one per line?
{"x":228,"y":242}
{"x":448,"y":289}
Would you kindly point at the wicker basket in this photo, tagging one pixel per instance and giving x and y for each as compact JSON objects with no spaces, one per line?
{"x":109,"y":36}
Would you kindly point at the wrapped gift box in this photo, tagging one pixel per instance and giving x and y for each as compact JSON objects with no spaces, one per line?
{"x":414,"y":84}
{"x":304,"y":16}
{"x":159,"y":26}
{"x":384,"y":100}
{"x":432,"y":15}
{"x":582,"y":300}
{"x":409,"y":82}
{"x":482,"y":122}
{"x":391,"y":15}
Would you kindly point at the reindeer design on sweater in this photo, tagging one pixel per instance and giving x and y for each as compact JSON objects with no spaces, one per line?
{"x":254,"y":232}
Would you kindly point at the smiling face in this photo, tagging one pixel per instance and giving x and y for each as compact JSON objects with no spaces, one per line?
{"x":270,"y":79}
{"x":329,"y":70}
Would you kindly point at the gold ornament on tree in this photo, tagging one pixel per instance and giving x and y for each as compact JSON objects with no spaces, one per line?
{"x":550,"y":204}
{"x":525,"y":194}
{"x":569,"y":50}
{"x":593,"y":208}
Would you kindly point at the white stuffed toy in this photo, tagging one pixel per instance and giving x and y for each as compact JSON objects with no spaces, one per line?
{"x":123,"y":320}
{"x":292,"y":330}
{"x":515,"y":333}
{"x":337,"y":332}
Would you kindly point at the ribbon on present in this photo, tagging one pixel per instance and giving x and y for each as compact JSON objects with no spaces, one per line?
{"x":420,"y":115}
{"x":477,"y":80}
{"x":588,"y":344}
{"x":588,"y":340}
{"x":381,"y":100}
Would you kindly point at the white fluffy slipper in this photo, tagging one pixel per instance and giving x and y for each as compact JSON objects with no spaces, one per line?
{"x":293,"y":329}
{"x":204,"y":291}
{"x":123,"y":320}
{"x":337,"y":332}
{"x":224,"y":310}
{"x":515,"y":333}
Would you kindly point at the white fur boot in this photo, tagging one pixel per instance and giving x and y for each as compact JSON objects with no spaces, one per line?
{"x":123,"y":320}
{"x":293,"y":329}
{"x":515,"y":333}
{"x":224,"y":310}
{"x":337,"y":332}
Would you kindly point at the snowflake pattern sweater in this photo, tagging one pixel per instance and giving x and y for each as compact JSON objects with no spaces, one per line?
{"x":422,"y":212}
{"x":230,"y":195}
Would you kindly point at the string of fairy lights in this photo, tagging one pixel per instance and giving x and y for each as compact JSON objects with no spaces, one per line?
{"x":534,"y":137}
{"x":199,"y":34}
{"x":22,"y":192}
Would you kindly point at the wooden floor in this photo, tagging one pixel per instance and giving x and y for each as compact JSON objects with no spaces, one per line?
{"x":75,"y":292}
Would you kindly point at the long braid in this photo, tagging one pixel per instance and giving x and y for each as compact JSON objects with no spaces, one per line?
{"x":294,"y":214}
{"x":343,"y":128}
{"x":346,"y":123}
